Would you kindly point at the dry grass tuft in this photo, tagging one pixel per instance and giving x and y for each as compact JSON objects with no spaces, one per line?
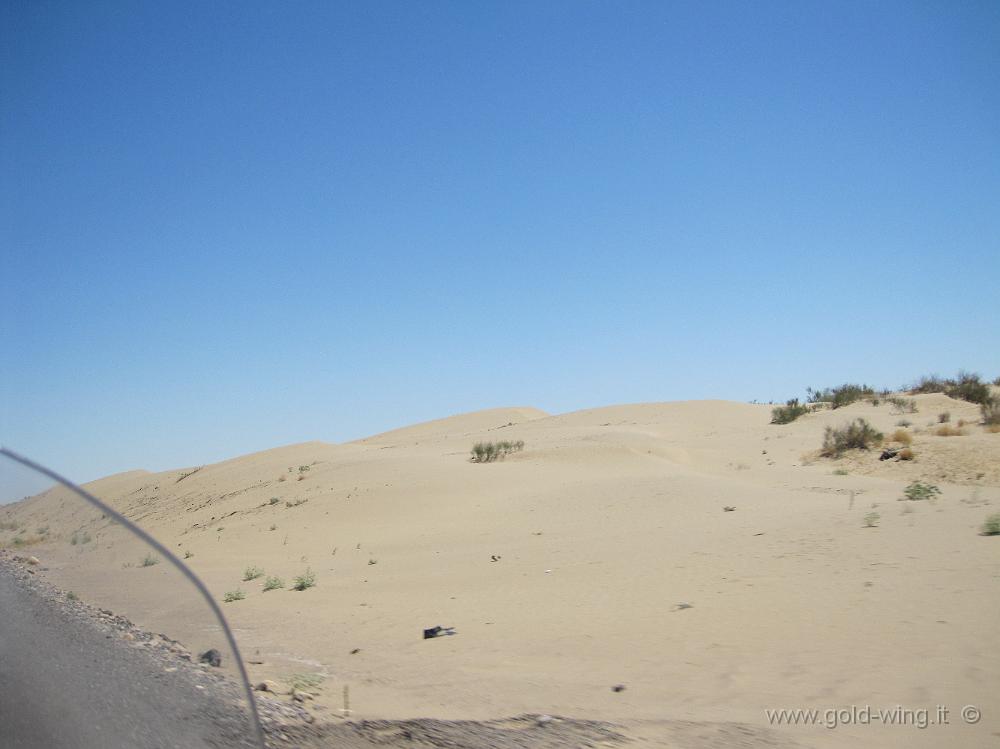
{"x":902,"y":436}
{"x":949,"y":431}
{"x":906,"y":454}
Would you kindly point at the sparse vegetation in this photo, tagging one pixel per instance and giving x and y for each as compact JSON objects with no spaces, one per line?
{"x":234,"y":595}
{"x":990,"y":411}
{"x":966,"y":386}
{"x":944,"y":417}
{"x":306,"y":580}
{"x":296,"y":503}
{"x":148,"y":561}
{"x":252,"y":573}
{"x":902,"y":436}
{"x":946,"y":430}
{"x":841,"y":396}
{"x":71,"y":596}
{"x":918,"y":491}
{"x":273,"y":501}
{"x":487,"y":452}
{"x":274,"y":527}
{"x":841,"y":472}
{"x":991,"y":527}
{"x":789,"y":412}
{"x":80,"y":538}
{"x":902,"y":405}
{"x":906,"y":454}
{"x":188,"y":554}
{"x":273,"y":583}
{"x":871,"y":519}
{"x":305,"y":681}
{"x":904,"y":423}
{"x":856,"y":435}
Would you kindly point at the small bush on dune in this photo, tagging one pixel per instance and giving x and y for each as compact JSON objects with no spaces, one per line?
{"x":148,"y":561}
{"x":990,"y":411}
{"x":857,"y":435}
{"x":871,"y":519}
{"x":306,"y":580}
{"x":839,"y":397}
{"x":234,"y":595}
{"x":918,"y":491}
{"x":789,"y":412}
{"x":273,"y":583}
{"x":252,"y":573}
{"x":906,"y":454}
{"x":944,"y":417}
{"x":487,"y":452}
{"x":992,"y":525}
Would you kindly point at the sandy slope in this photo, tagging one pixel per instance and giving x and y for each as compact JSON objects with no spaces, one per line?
{"x":607,"y":523}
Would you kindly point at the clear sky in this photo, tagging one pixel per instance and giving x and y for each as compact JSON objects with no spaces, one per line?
{"x":227,"y":226}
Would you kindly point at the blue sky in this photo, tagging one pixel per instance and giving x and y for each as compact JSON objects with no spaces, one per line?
{"x":229,"y":226}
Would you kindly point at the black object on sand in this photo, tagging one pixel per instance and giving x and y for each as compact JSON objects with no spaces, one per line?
{"x":438,"y":632}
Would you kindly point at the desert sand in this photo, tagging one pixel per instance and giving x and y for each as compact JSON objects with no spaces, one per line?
{"x":600,"y":555}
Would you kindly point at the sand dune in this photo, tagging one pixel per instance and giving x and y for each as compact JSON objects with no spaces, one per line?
{"x":617,"y":565}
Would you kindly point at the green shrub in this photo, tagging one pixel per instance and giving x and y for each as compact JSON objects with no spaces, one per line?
{"x":968,"y":387}
{"x":918,"y":491}
{"x":148,"y":561}
{"x":871,"y":519}
{"x":305,"y":580}
{"x":839,"y":397}
{"x":252,"y":573}
{"x":789,"y":412}
{"x":856,"y":435}
{"x":234,"y":595}
{"x":992,"y":525}
{"x":929,"y":384}
{"x":487,"y":452}
{"x":273,"y":583}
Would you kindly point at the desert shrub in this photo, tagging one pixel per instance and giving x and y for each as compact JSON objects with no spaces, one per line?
{"x":252,"y":573}
{"x":992,"y":525}
{"x":789,"y":412}
{"x":871,"y":519}
{"x":904,"y":423}
{"x":234,"y":595}
{"x":487,"y":452}
{"x":273,"y":501}
{"x":856,"y":435}
{"x":968,"y":387}
{"x":944,"y":417}
{"x":148,"y":561}
{"x":918,"y":490}
{"x":306,"y":580}
{"x":188,"y":554}
{"x":946,"y":430}
{"x":80,"y":537}
{"x":990,"y":411}
{"x":929,"y":384}
{"x":273,"y":583}
{"x":841,"y":396}
{"x":906,"y":454}
{"x":902,"y":436}
{"x":903,"y":405}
